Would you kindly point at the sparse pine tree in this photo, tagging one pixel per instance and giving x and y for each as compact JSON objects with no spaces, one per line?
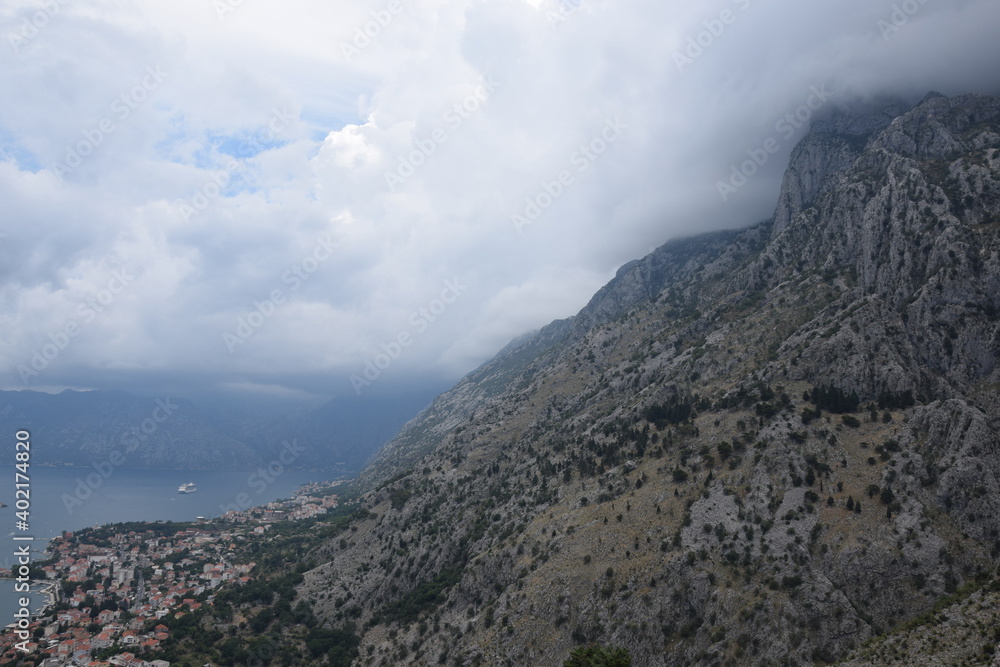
{"x":598,"y":656}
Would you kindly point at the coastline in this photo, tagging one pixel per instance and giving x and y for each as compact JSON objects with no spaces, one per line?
{"x":50,"y":599}
{"x":67,"y":498}
{"x":178,"y":590}
{"x":39,"y":587}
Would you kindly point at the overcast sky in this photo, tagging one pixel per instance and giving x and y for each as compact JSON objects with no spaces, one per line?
{"x":239,"y":194}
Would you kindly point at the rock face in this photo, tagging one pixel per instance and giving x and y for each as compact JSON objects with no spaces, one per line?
{"x":754,"y":447}
{"x":833,"y":144}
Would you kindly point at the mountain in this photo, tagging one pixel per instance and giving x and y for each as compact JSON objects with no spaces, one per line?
{"x":762,"y":446}
{"x":84,"y":427}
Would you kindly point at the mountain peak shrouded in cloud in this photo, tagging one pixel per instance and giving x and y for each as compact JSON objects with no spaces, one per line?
{"x":313,"y":180}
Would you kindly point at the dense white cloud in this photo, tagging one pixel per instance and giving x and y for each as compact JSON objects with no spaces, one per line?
{"x":290,"y":188}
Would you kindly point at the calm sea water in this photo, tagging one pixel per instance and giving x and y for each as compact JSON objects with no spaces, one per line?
{"x":64,"y":499}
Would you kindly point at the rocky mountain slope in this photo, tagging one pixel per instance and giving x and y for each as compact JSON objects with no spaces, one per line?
{"x":965,"y":631}
{"x":756,"y":447}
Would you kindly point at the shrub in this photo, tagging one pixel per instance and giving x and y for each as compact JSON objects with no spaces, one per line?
{"x":834,"y":399}
{"x":598,"y":656}
{"x":895,"y":401}
{"x":670,"y":412}
{"x":850,"y":421}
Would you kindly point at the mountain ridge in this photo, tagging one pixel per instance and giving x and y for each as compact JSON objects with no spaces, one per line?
{"x":83,"y":427}
{"x":797,"y":419}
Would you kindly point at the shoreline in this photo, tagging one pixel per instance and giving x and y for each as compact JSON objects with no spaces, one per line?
{"x":60,"y":480}
{"x":91,"y":467}
{"x":50,"y":599}
{"x":48,"y":588}
{"x":40,"y":587}
{"x":45,"y":590}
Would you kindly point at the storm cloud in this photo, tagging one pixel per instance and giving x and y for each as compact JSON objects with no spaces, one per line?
{"x":231,"y":194}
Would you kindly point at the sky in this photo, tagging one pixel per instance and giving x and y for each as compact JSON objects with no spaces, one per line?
{"x":317,"y":199}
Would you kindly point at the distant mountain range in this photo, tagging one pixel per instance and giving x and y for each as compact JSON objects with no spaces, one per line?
{"x":82,"y":428}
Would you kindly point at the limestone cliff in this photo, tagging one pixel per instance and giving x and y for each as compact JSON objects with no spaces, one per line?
{"x":756,"y":447}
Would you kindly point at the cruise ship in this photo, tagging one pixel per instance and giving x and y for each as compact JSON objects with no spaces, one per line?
{"x":189,"y":487}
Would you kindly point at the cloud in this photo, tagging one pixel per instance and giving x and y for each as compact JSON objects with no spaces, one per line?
{"x":526,"y":149}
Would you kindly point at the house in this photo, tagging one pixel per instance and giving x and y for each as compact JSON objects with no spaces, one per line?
{"x":125,"y":660}
{"x":71,"y":616}
{"x":82,"y":652}
{"x":107,"y":616}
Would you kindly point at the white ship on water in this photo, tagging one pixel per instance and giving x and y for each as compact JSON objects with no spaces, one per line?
{"x":188,"y":487}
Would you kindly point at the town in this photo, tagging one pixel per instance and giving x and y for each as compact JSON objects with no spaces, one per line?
{"x":114,"y":591}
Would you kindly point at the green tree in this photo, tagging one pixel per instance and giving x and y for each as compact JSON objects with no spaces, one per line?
{"x":598,"y":656}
